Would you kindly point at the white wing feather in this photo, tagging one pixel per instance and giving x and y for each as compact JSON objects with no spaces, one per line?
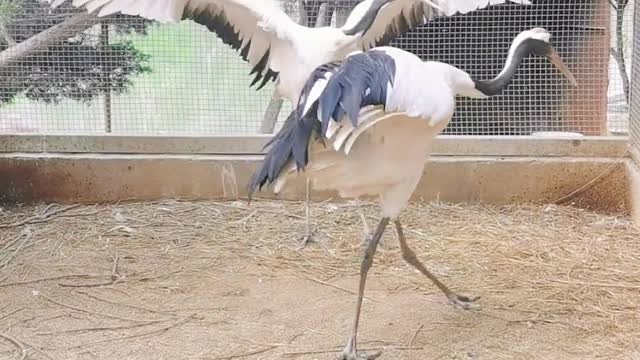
{"x":397,"y":16}
{"x":369,"y":122}
{"x":452,"y":7}
{"x":365,"y":115}
{"x":262,"y":22}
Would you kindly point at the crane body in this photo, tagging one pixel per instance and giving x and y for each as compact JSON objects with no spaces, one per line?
{"x":364,"y":126}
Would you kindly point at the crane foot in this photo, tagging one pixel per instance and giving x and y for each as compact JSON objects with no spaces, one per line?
{"x":306,"y":239}
{"x":367,"y":238}
{"x":352,"y":355}
{"x":462,"y":301}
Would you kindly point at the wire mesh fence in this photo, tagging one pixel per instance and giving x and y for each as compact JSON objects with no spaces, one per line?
{"x":634,"y":116}
{"x":127,"y":75}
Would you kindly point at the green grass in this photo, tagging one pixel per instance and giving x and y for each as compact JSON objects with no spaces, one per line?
{"x":198,"y":85}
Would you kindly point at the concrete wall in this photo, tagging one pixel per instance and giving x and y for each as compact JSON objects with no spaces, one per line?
{"x":633,"y":178}
{"x":591,"y":173}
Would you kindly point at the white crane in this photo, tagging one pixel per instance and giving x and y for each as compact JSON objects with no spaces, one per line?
{"x":276,"y":47}
{"x":364,"y":125}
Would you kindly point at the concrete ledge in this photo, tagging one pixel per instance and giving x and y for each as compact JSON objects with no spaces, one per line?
{"x":580,"y":146}
{"x":633,"y":174}
{"x":91,"y":178}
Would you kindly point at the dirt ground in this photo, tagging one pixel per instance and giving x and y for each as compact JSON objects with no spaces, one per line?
{"x":213,"y":280}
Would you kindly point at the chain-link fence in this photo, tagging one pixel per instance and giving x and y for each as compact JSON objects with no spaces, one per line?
{"x":127,"y":75}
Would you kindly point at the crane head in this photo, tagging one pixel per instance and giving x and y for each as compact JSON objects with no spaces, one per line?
{"x":537,"y":41}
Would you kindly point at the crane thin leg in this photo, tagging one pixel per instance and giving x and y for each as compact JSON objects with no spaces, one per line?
{"x":349,"y":352}
{"x":366,"y":232}
{"x":307,"y":215}
{"x":410,"y":256}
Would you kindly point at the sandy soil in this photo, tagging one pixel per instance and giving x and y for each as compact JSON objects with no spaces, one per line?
{"x":209,"y":280}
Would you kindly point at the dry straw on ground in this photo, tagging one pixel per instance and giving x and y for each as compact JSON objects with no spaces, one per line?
{"x":568,"y":269}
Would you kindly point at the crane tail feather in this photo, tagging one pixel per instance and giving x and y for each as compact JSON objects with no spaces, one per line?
{"x":334,"y":91}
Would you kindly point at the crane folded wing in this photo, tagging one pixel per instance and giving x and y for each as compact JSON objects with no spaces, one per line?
{"x":339,"y":102}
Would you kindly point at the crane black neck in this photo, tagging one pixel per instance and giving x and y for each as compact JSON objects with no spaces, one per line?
{"x":517,"y":53}
{"x":367,"y":19}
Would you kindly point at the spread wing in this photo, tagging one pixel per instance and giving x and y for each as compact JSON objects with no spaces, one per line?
{"x":260,"y":31}
{"x":397,"y":17}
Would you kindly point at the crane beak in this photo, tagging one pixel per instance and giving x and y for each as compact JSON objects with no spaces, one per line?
{"x":555,"y":59}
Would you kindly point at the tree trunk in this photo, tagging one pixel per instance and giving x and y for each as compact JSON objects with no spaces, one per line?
{"x":324,"y":17}
{"x":618,"y":54}
{"x":270,"y":117}
{"x":104,"y":42}
{"x":60,"y":32}
{"x":6,"y":36}
{"x":342,"y":10}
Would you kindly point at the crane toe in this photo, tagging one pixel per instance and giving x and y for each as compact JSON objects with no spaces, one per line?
{"x":463,"y":301}
{"x":306,"y":239}
{"x":352,"y":355}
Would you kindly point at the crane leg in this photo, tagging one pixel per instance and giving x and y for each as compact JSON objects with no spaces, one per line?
{"x":366,"y":232}
{"x":307,"y":216}
{"x":410,"y":256}
{"x":349,"y":352}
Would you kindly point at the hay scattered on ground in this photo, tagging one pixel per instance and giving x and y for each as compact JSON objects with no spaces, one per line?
{"x":533,"y":265}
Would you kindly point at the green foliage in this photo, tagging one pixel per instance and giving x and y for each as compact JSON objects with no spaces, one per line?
{"x":7,"y":9}
{"x":80,"y":68}
{"x":75,"y":71}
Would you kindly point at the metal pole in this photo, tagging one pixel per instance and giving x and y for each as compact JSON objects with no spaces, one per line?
{"x":104,"y":42}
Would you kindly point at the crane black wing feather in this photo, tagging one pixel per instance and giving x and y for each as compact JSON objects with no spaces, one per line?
{"x":252,"y":28}
{"x":361,"y":79}
{"x":220,"y":25}
{"x":397,"y":17}
{"x":401,"y":24}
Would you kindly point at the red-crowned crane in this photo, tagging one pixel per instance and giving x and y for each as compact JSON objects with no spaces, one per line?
{"x":277,"y":47}
{"x":364,"y":125}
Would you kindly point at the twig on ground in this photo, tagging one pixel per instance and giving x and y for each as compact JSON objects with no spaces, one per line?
{"x":246,"y":218}
{"x":415,"y":335}
{"x":115,"y":278}
{"x":101,"y":328}
{"x":45,"y":216}
{"x":38,"y":350}
{"x":17,"y":344}
{"x":21,"y":240}
{"x":594,"y":284}
{"x":298,"y":353}
{"x":7,"y":276}
{"x":250,"y":353}
{"x":160,"y":330}
{"x":51,"y":279}
{"x":11,"y":313}
{"x":144,"y":279}
{"x":167,"y":312}
{"x":337,"y":287}
{"x":96,"y":313}
{"x":106,"y":283}
{"x":12,"y":242}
